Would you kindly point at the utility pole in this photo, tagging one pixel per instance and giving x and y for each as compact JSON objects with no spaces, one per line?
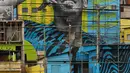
{"x":23,"y":52}
{"x":70,"y":48}
{"x":98,"y":33}
{"x":98,"y":8}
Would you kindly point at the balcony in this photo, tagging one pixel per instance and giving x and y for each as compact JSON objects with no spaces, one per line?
{"x":11,"y":31}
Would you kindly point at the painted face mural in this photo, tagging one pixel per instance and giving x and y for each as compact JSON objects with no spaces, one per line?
{"x":66,"y":12}
{"x":68,"y":18}
{"x":69,"y":12}
{"x":70,"y":5}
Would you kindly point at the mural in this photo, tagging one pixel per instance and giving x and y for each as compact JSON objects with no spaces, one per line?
{"x":108,"y":19}
{"x":53,"y":37}
{"x":111,"y":61}
{"x":45,"y":27}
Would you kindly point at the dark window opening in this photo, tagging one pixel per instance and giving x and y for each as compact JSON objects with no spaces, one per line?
{"x":4,"y":55}
{"x":24,"y":9}
{"x":18,"y":52}
{"x":122,"y":9}
{"x":85,"y":68}
{"x":122,"y":36}
{"x":34,"y":10}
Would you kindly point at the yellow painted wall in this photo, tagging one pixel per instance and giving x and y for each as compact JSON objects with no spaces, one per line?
{"x":40,"y":16}
{"x":35,"y":69}
{"x":125,"y":30}
{"x":9,"y":72}
{"x":125,"y":23}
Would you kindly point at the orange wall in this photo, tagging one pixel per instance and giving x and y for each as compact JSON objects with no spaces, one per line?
{"x":128,"y":1}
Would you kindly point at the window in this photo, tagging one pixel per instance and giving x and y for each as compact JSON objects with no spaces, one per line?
{"x":122,"y":36}
{"x":34,"y":10}
{"x":122,"y":9}
{"x":128,"y":37}
{"x":125,"y":2}
{"x":113,"y":7}
{"x":25,"y":10}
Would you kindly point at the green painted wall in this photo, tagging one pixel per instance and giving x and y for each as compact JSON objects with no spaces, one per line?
{"x":30,"y":51}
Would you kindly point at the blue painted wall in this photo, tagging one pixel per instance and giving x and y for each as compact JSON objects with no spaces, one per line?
{"x":58,"y":64}
{"x":56,"y":46}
